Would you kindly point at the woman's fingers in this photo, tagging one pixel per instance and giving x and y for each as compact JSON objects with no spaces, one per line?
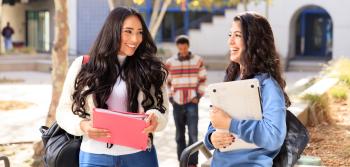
{"x":219,"y":118}
{"x":86,"y":126}
{"x":221,"y":139}
{"x":98,"y":133}
{"x":152,"y":122}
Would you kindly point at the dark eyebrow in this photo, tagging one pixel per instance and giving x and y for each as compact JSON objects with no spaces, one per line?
{"x":129,"y":28}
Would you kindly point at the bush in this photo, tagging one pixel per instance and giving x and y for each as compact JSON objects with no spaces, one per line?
{"x":319,"y":110}
{"x":339,"y":92}
{"x":345,"y":78}
{"x":341,"y":69}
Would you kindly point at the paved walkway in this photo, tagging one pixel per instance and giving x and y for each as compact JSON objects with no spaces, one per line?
{"x":23,"y":125}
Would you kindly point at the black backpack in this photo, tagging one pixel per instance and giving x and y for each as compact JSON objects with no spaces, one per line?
{"x":61,"y":149}
{"x":294,"y":144}
{"x":295,"y":141}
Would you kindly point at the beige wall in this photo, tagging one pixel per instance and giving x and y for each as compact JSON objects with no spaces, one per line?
{"x":16,"y":16}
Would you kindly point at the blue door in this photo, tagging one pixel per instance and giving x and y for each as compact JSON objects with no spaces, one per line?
{"x":315,"y":34}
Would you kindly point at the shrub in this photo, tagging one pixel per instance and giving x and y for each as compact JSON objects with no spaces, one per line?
{"x":339,"y":92}
{"x":319,"y":110}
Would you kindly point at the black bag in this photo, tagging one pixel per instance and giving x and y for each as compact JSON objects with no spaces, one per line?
{"x":294,"y":144}
{"x":61,"y":149}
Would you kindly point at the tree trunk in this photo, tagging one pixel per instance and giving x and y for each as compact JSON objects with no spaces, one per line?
{"x":159,"y":18}
{"x":59,"y":56}
{"x":0,"y":26}
{"x":111,"y":4}
{"x":245,"y":5}
{"x":267,"y":8}
{"x":59,"y":67}
{"x":156,"y":7}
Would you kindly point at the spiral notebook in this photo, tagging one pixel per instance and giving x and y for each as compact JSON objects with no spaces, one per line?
{"x":241,"y":100}
{"x":125,"y":127}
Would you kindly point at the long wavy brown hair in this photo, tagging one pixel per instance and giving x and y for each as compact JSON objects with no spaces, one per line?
{"x":140,"y":71}
{"x":260,"y":55}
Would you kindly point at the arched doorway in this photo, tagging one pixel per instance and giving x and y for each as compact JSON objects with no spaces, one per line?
{"x":313,"y":37}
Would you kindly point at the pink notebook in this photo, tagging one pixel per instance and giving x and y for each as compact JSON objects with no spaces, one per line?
{"x":125,"y":127}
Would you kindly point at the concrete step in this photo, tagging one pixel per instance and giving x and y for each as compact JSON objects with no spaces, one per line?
{"x":306,"y":65}
{"x":307,"y":161}
{"x":40,"y":63}
{"x":216,"y":62}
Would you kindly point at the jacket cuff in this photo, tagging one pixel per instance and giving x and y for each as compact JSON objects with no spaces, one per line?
{"x":207,"y":141}
{"x":234,"y":126}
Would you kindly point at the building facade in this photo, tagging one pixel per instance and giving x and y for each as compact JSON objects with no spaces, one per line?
{"x":303,"y":29}
{"x":35,"y":23}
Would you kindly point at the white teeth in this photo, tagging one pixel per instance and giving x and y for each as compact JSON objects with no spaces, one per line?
{"x":131,"y":46}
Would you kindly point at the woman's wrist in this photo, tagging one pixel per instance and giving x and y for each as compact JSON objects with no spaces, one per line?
{"x":228,"y":123}
{"x":83,"y":124}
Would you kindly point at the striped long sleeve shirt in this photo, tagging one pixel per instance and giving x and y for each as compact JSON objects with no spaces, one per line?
{"x":186,"y":78}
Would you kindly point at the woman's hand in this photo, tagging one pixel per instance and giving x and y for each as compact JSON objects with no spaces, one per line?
{"x":94,"y":133}
{"x":195,"y":100}
{"x":152,"y":122}
{"x":221,"y":139}
{"x":219,"y":118}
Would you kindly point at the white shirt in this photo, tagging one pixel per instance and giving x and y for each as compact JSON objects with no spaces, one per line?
{"x":71,"y":123}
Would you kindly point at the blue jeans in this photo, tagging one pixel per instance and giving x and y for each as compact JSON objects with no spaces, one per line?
{"x":186,"y":114}
{"x":147,"y":158}
{"x":8,"y":44}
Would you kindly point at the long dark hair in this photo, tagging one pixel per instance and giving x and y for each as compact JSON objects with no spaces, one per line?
{"x":140,"y":71}
{"x":260,"y":55}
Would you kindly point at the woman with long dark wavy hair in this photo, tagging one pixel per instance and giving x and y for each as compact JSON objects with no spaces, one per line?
{"x":122,"y":74}
{"x":253,"y":55}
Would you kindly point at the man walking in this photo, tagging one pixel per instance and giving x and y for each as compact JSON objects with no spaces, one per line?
{"x":186,"y":84}
{"x":7,"y":33}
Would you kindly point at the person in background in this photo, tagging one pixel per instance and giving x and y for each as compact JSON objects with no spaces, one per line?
{"x":123,"y":74}
{"x":253,"y":55}
{"x":186,"y":84}
{"x":7,"y":33}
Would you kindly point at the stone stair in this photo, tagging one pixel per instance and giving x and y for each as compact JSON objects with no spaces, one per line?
{"x":306,"y":65}
{"x":216,"y":62}
{"x":39,"y":62}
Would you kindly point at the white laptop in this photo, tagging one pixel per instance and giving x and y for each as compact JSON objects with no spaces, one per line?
{"x":241,"y":100}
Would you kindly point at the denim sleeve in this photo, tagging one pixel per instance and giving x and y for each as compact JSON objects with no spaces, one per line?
{"x":270,"y":131}
{"x":207,"y":141}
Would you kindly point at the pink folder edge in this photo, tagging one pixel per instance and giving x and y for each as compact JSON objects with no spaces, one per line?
{"x":124,"y":130}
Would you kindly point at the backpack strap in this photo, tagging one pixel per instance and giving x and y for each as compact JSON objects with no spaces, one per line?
{"x":86,"y":59}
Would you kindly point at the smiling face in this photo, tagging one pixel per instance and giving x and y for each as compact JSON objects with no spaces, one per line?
{"x":131,"y":36}
{"x":236,"y":42}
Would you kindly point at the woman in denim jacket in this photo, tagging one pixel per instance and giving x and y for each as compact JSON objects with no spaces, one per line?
{"x":253,"y":55}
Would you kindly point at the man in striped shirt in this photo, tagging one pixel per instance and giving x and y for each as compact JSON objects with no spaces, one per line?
{"x":186,"y":84}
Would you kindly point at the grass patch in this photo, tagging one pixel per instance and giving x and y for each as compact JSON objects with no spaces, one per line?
{"x":341,"y":69}
{"x":339,"y":92}
{"x":13,"y":105}
{"x":319,"y":110}
{"x":7,"y":80}
{"x":345,"y":78}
